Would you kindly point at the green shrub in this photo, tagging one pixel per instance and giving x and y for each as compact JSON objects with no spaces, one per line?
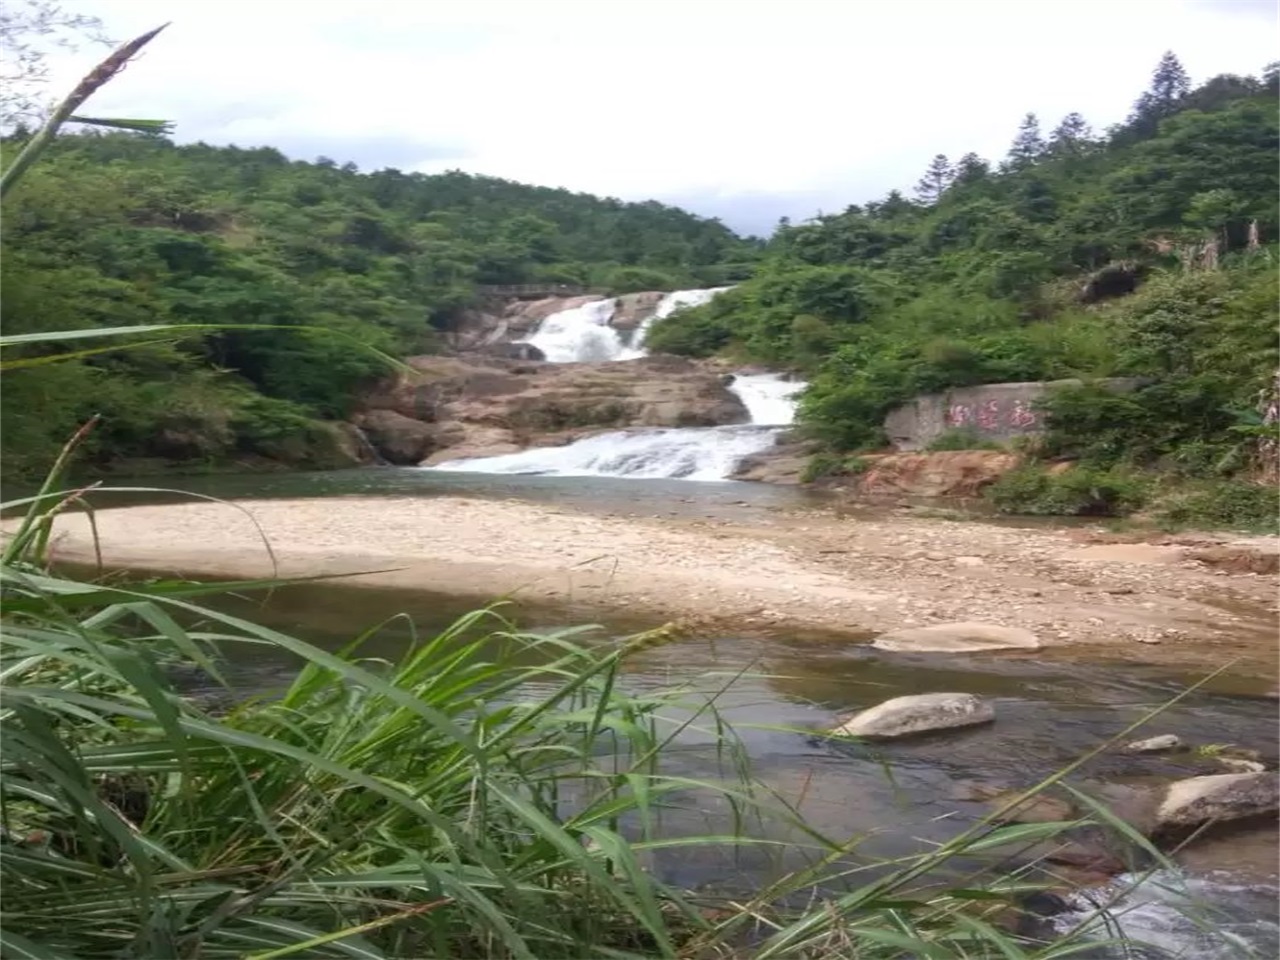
{"x":696,"y":331}
{"x":833,"y":465}
{"x":820,"y":465}
{"x":637,"y":279}
{"x":1236,"y":504}
{"x":1076,"y":491}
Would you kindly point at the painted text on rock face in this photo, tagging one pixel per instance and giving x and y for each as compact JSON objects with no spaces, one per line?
{"x":992,"y":415}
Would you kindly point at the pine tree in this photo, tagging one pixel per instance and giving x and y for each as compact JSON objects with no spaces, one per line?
{"x":1028,"y":146}
{"x":1169,"y":85}
{"x":1071,"y":137}
{"x":971,"y":169}
{"x":935,"y":181}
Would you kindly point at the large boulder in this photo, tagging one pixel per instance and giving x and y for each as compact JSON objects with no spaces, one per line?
{"x":1224,"y":796}
{"x":962,"y":637}
{"x":353,"y":444}
{"x":921,"y":713}
{"x":634,"y":309}
{"x":397,"y":438}
{"x":785,"y":462}
{"x":474,"y":443}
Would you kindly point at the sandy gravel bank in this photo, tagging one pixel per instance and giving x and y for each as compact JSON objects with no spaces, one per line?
{"x":799,"y":570}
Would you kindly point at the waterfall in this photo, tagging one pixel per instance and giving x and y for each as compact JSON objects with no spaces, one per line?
{"x":707,"y":453}
{"x":584,"y":334}
{"x":691,"y":453}
{"x":580,"y":335}
{"x":768,"y":398}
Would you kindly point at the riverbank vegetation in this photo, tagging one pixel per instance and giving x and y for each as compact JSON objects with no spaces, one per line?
{"x":1146,"y":252}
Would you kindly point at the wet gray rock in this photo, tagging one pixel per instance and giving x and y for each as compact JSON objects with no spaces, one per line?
{"x":1220,"y":797}
{"x":518,"y":350}
{"x":921,"y":713}
{"x":1241,"y":764}
{"x":961,"y":637}
{"x":1158,"y":744}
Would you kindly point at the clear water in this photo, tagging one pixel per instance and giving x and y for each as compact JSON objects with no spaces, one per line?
{"x":901,"y":798}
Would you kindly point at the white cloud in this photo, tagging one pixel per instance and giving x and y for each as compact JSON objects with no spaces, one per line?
{"x":835,"y":100}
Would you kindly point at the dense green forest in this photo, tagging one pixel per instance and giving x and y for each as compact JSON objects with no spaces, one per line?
{"x":1149,"y":251}
{"x":122,"y":229}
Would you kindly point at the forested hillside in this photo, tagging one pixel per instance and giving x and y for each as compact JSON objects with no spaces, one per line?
{"x":1148,"y":251}
{"x":120,"y":229}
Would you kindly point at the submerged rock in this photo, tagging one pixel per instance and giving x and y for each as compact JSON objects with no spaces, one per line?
{"x":921,"y":713}
{"x":963,"y":637}
{"x":1037,"y":809}
{"x":1223,"y":796}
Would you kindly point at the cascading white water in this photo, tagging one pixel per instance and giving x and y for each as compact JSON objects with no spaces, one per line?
{"x":707,"y":453}
{"x":580,"y":335}
{"x":583,"y":334}
{"x":691,"y":453}
{"x":768,"y":398}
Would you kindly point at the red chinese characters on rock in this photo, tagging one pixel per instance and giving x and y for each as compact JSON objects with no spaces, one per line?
{"x":989,"y":415}
{"x":1022,"y":416}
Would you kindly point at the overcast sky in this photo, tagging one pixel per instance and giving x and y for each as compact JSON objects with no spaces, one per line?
{"x":742,"y":109}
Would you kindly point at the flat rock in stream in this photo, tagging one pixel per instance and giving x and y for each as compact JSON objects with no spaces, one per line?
{"x":1167,"y":741}
{"x":921,"y":713}
{"x":1220,"y":797}
{"x":962,"y":637}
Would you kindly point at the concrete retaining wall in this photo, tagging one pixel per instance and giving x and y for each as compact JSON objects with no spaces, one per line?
{"x":1000,"y":411}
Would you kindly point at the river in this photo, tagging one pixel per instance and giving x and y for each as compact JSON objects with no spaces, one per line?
{"x":1051,"y":708}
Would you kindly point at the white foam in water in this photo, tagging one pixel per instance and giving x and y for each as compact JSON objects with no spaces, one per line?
{"x":769,"y":399}
{"x":708,"y":453}
{"x":1170,"y":915}
{"x":580,"y":335}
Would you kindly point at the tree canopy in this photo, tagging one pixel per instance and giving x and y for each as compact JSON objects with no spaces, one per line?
{"x":1027,"y":273}
{"x":122,"y":229}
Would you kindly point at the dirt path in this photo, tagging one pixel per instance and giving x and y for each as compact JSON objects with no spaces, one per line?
{"x":801,"y":570}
